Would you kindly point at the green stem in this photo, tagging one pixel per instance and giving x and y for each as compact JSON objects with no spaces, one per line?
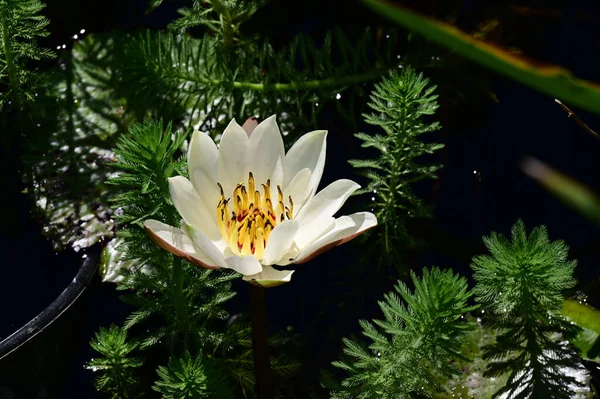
{"x":226,"y":22}
{"x":260,"y":343}
{"x":221,"y":8}
{"x":295,"y":86}
{"x":179,"y":297}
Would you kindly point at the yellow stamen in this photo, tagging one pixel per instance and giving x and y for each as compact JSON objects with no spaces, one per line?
{"x":253,"y":217}
{"x":244,"y":198}
{"x":257,"y":201}
{"x":238,"y":205}
{"x":222,"y":213}
{"x":259,"y":243}
{"x":246,"y":245}
{"x":279,"y":194}
{"x":251,"y":188}
{"x":252,"y":237}
{"x":281,"y":208}
{"x":233,"y":240}
{"x":268,"y":229}
{"x":267,"y":190}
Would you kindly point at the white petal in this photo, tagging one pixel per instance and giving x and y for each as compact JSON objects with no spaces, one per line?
{"x":202,"y":158}
{"x":177,"y":242}
{"x":346,"y":228}
{"x":191,"y":207}
{"x":280,"y":241}
{"x":328,"y":201}
{"x":270,"y":277}
{"x":204,"y":244}
{"x":289,"y":257}
{"x":310,"y":232}
{"x":298,"y":189}
{"x":246,"y":265}
{"x":277,"y":178}
{"x":233,"y":157}
{"x":266,"y":152}
{"x":307,"y":152}
{"x":325,"y":204}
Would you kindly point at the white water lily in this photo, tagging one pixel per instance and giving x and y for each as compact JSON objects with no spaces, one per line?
{"x":248,"y":205}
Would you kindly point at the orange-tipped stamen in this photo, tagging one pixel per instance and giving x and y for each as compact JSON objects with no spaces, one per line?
{"x":253,"y":217}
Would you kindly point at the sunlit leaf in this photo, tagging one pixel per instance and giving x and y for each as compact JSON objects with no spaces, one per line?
{"x":576,"y":195}
{"x":588,"y":318}
{"x":547,"y":78}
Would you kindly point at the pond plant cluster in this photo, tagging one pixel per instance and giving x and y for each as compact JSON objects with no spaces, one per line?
{"x":131,"y":139}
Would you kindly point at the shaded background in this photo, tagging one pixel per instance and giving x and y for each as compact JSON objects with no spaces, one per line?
{"x":481,"y":187}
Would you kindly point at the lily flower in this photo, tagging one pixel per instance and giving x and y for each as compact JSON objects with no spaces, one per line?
{"x":248,"y":205}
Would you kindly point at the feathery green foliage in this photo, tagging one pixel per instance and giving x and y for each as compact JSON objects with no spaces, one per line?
{"x":411,"y":350}
{"x":116,"y":368}
{"x":401,"y":103}
{"x":222,"y":17}
{"x":190,"y":378}
{"x":234,"y":354}
{"x":147,"y":156}
{"x":20,"y":25}
{"x":173,"y":75}
{"x":112,"y":80}
{"x":188,"y":299}
{"x":522,"y":283}
{"x":182,"y":304}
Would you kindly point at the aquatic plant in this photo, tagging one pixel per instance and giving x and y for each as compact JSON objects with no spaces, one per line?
{"x":522,"y":283}
{"x":116,"y":368}
{"x":187,"y":298}
{"x":187,"y":377}
{"x":401,"y":104}
{"x":410,"y":351}
{"x":21,"y":25}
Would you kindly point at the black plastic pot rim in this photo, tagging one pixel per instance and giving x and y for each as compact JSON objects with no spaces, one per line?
{"x":70,"y":294}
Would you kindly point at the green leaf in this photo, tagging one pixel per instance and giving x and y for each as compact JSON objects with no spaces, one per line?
{"x":552,"y":80}
{"x":588,"y":318}
{"x":576,"y":195}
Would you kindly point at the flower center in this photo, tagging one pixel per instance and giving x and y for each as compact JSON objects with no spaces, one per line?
{"x":253,"y":216}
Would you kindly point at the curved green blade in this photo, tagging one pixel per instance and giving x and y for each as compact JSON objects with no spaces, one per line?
{"x":550,"y":79}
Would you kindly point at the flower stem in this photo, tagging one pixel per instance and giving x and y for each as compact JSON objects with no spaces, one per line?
{"x":260,"y":342}
{"x":179,"y":298}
